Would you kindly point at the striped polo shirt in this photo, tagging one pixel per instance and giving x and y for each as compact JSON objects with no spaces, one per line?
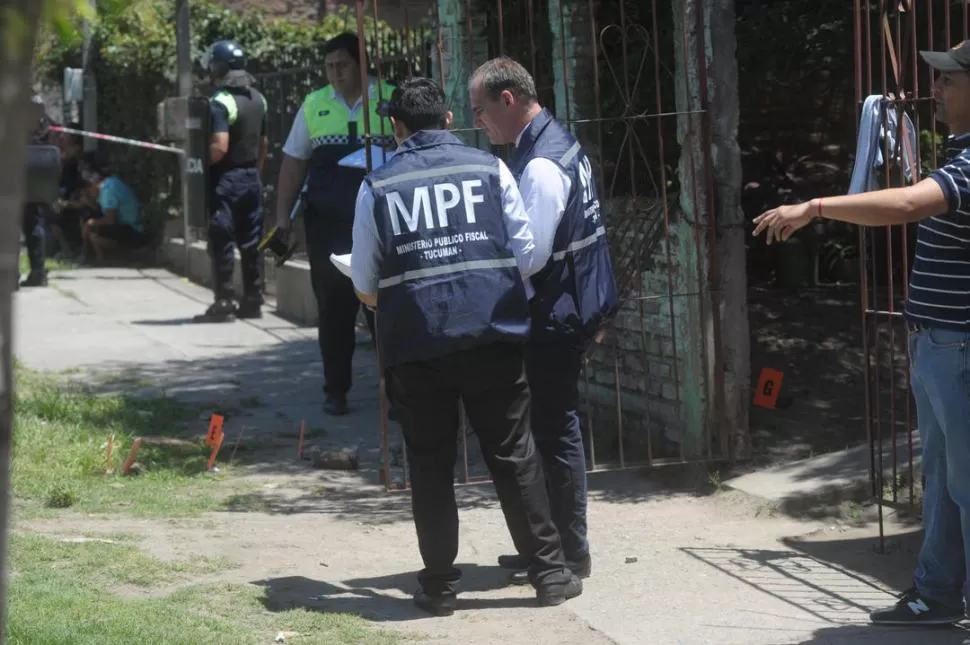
{"x":939,"y":287}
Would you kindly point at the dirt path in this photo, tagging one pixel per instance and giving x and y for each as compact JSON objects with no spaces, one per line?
{"x":673,"y":564}
{"x":323,"y":543}
{"x":323,"y":540}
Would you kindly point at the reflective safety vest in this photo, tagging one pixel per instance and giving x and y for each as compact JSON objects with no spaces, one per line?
{"x":247,"y":110}
{"x":576,"y":291}
{"x":335,"y":132}
{"x":449,"y":280}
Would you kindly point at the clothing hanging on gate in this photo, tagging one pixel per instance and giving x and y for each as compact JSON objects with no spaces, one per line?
{"x":878,"y":127}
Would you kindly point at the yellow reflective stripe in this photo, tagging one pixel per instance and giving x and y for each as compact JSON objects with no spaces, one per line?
{"x":324,"y":117}
{"x":227,"y":99}
{"x":327,"y":117}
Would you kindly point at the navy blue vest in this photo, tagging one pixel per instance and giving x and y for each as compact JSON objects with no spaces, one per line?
{"x":449,"y":280}
{"x":576,"y":290}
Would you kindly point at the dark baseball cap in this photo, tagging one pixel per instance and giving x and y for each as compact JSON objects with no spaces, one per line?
{"x":955,"y":60}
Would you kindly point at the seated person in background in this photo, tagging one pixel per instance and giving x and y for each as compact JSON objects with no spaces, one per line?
{"x":119,"y":224}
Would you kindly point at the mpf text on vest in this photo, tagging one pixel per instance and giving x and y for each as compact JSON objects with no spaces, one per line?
{"x":447,"y":196}
{"x":439,"y":247}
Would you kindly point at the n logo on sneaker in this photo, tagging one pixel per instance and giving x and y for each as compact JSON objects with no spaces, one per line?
{"x":918,"y":607}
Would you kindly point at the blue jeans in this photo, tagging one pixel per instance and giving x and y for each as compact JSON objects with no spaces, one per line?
{"x":940,"y":377}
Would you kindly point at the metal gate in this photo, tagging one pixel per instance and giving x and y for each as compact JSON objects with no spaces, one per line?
{"x":608,"y":69}
{"x":888,"y":38}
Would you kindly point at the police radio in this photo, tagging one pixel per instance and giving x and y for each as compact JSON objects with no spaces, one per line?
{"x":275,"y":240}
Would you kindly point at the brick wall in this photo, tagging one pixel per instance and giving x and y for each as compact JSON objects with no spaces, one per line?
{"x":636,"y":376}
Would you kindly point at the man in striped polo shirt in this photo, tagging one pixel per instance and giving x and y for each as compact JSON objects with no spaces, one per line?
{"x":938,"y":316}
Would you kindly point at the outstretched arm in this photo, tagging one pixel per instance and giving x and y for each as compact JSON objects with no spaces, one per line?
{"x":877,"y":208}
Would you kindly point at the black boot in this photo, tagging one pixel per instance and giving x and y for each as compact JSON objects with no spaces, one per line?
{"x":35,"y":280}
{"x":250,"y":307}
{"x":222,"y":310}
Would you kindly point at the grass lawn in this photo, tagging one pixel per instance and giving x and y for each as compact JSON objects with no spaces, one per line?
{"x":74,"y":593}
{"x":49,"y":263}
{"x":60,"y":453}
{"x":60,"y":595}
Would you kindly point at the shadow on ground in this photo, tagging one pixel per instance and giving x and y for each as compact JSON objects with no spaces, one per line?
{"x":872,"y":635}
{"x":823,"y":583}
{"x":815,"y":337}
{"x":347,"y":498}
{"x":890,"y":562}
{"x":384,"y":598}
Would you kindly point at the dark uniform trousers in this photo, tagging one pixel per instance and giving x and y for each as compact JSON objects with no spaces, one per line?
{"x":491,"y":383}
{"x":554,"y":370}
{"x":34,"y":214}
{"x":337,"y":307}
{"x":236,"y":218}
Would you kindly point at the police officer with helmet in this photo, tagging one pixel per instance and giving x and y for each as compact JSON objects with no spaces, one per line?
{"x":441,"y":248}
{"x":329,"y":126}
{"x":36,"y":213}
{"x":237,"y":152}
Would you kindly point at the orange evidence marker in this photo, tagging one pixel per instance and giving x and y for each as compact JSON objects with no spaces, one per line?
{"x":215,"y":451}
{"x":769,"y":387}
{"x":215,"y":429}
{"x":129,"y":462}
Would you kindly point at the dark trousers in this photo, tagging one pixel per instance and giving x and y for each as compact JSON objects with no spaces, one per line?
{"x":70,"y":221}
{"x":337,"y":308}
{"x":236,"y":217}
{"x":553,"y":370}
{"x":36,"y":237}
{"x":491,"y":383}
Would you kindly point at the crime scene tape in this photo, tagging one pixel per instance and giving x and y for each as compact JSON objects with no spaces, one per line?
{"x":108,"y":137}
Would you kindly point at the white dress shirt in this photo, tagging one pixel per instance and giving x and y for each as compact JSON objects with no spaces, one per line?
{"x":366,"y":258}
{"x":545,"y":191}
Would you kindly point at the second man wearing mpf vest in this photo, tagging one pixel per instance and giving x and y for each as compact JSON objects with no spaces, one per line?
{"x":575,"y":291}
{"x":237,"y":153}
{"x":441,"y":247}
{"x":328,"y":127}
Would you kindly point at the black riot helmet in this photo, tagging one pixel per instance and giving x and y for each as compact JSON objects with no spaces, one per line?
{"x":223,"y":57}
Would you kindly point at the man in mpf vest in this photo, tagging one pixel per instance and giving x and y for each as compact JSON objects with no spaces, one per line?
{"x":575,"y":290}
{"x":237,"y":152}
{"x":329,"y":126}
{"x":441,"y":247}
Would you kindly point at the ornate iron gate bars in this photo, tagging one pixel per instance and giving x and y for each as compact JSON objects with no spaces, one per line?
{"x":616,"y":73}
{"x":888,"y":38}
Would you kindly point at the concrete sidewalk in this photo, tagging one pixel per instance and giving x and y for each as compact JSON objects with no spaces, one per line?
{"x":671,"y":566}
{"x":135,"y":328}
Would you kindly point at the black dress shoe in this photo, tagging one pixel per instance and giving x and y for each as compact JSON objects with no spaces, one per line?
{"x":335,"y":405}
{"x":582,"y":569}
{"x":552,"y":593}
{"x":513,"y":562}
{"x":439,"y":605}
